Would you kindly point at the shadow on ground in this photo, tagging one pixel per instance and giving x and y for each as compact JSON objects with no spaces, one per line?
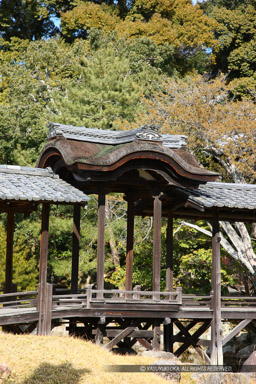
{"x":56,"y":374}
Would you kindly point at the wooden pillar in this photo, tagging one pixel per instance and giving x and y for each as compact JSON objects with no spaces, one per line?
{"x":157,"y":243}
{"x":169,"y":254}
{"x":156,"y":336}
{"x":129,"y":245}
{"x":75,"y":248}
{"x":43,"y":289}
{"x":168,"y":335}
{"x":101,"y":241}
{"x":9,"y":252}
{"x":216,"y":342}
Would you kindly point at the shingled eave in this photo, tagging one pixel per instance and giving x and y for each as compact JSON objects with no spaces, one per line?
{"x":104,"y":158}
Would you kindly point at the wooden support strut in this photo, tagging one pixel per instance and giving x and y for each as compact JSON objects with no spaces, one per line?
{"x":75,"y":248}
{"x":9,"y":252}
{"x":129,"y":251}
{"x":216,"y":342}
{"x":101,"y":242}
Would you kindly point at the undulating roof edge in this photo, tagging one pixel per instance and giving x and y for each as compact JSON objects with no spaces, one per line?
{"x":37,"y":185}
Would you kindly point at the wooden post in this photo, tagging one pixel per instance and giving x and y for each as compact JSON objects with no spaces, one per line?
{"x":169,"y":254}
{"x":42,"y":294}
{"x":216,"y":342}
{"x":168,"y":335}
{"x":75,"y":248}
{"x":157,"y":243}
{"x":156,"y":337}
{"x":101,"y":242}
{"x":9,"y":252}
{"x":129,"y":245}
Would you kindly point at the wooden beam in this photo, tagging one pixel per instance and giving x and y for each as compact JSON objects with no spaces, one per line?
{"x":235,"y":331}
{"x":124,"y":333}
{"x":216,"y":342}
{"x":146,"y":344}
{"x":9,"y":252}
{"x":43,"y":266}
{"x":157,"y":243}
{"x":129,"y":245}
{"x":101,"y":242}
{"x":190,"y":339}
{"x":75,"y":248}
{"x":169,"y":254}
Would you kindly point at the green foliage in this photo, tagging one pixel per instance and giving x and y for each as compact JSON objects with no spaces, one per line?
{"x":193,"y":262}
{"x":25,"y":262}
{"x":26,"y":19}
{"x":236,"y":34}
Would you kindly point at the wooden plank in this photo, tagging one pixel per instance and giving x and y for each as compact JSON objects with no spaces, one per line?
{"x":169,"y":254}
{"x":235,"y":330}
{"x":101,"y":242}
{"x":129,"y":246}
{"x":9,"y":252}
{"x":124,"y":333}
{"x":43,"y":266}
{"x":157,"y":244}
{"x":75,"y":248}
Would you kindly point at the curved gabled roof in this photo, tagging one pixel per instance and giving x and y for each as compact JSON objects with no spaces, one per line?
{"x":97,"y":151}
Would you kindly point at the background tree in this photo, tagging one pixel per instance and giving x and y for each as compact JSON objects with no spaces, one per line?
{"x":236,"y":34}
{"x":26,"y":19}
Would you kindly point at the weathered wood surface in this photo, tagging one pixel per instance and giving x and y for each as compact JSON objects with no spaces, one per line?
{"x":121,"y":335}
{"x":21,"y":307}
{"x":9,"y":252}
{"x":101,"y":241}
{"x":157,"y":244}
{"x":129,"y":245}
{"x":75,"y":247}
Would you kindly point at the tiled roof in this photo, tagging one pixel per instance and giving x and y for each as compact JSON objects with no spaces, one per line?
{"x":36,"y":184}
{"x":224,"y":195}
{"x":106,"y":136}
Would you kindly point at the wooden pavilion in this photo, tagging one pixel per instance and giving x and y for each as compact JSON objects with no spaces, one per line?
{"x":158,"y":177}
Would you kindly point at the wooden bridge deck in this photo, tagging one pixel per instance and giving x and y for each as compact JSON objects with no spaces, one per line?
{"x":18,"y":308}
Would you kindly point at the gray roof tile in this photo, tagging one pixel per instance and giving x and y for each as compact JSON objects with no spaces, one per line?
{"x":109,"y":137}
{"x":36,"y":184}
{"x":224,"y":195}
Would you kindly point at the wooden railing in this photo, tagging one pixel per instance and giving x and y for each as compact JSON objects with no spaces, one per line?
{"x":19,"y":299}
{"x":235,"y":301}
{"x":136,"y":295}
{"x":117,"y":296}
{"x":226,"y":301}
{"x":189,"y":300}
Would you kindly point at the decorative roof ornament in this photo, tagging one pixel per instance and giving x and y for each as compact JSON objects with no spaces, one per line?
{"x":54,"y":130}
{"x":149,"y":132}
